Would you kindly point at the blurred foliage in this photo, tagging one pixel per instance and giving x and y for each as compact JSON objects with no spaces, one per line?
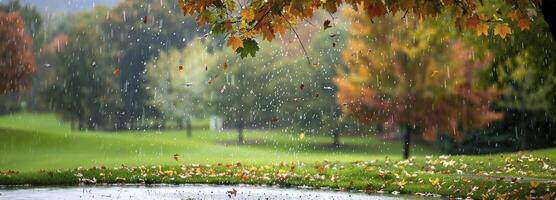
{"x":138,"y":31}
{"x":410,"y":73}
{"x":85,"y":90}
{"x":17,"y":62}
{"x":177,"y":82}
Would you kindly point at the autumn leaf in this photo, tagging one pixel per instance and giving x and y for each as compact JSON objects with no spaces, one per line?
{"x":247,"y":15}
{"x":534,"y":184}
{"x":301,"y":87}
{"x":514,"y":15}
{"x":435,"y":181}
{"x":176,"y":157}
{"x":234,"y":43}
{"x":116,"y":72}
{"x":502,"y":30}
{"x":231,"y":192}
{"x":481,"y":29}
{"x":401,"y":183}
{"x":225,"y":66}
{"x":301,"y":135}
{"x":326,"y":24}
{"x":472,"y":22}
{"x":250,"y":47}
{"x":145,"y":19}
{"x":180,"y":67}
{"x":523,"y":24}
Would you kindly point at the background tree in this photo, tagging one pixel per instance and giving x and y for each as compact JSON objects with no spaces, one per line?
{"x":413,"y":76}
{"x":85,"y":91}
{"x":17,"y":62}
{"x":177,"y":83}
{"x":139,"y":31}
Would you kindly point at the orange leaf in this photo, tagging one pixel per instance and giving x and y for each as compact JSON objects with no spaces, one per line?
{"x":481,"y":29}
{"x":234,"y":42}
{"x":225,"y":66}
{"x":247,"y":15}
{"x":523,"y":24}
{"x":502,"y":30}
{"x":472,"y":22}
{"x":116,"y":72}
{"x":515,"y":15}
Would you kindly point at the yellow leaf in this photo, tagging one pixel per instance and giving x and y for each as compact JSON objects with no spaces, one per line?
{"x":247,"y":15}
{"x":234,"y":42}
{"x":523,"y":24}
{"x":301,"y":135}
{"x":502,"y":30}
{"x":401,"y":183}
{"x":435,"y":182}
{"x":481,"y":29}
{"x":534,"y":184}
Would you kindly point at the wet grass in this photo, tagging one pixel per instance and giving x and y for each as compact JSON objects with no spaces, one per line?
{"x":30,"y":142}
{"x":446,"y":176}
{"x":41,"y":150}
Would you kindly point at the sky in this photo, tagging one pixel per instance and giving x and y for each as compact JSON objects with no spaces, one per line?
{"x":53,"y":6}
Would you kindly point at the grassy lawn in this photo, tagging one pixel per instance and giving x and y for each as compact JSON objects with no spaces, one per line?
{"x":43,"y":151}
{"x":31,"y":142}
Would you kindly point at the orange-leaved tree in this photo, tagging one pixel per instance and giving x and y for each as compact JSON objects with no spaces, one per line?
{"x":408,"y":72}
{"x":242,"y":21}
{"x":17,"y":62}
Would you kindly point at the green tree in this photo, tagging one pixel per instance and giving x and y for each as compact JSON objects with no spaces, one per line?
{"x":177,"y":83}
{"x":139,"y":31}
{"x":85,"y":91}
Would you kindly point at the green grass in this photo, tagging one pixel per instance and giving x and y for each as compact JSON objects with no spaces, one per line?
{"x":43,"y":151}
{"x":31,"y":142}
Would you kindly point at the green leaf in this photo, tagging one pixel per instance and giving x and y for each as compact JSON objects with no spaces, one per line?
{"x":250,"y":47}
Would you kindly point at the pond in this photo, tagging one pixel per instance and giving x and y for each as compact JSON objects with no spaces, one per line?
{"x":185,"y":192}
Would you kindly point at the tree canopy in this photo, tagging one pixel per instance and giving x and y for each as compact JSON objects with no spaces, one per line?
{"x":410,"y":73}
{"x":17,"y":62}
{"x":242,"y":22}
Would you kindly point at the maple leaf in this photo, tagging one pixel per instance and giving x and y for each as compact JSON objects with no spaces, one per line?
{"x":225,"y":66}
{"x":523,"y":24}
{"x":326,"y":24}
{"x":502,"y":30}
{"x":247,"y":15}
{"x":481,"y":29}
{"x":514,"y":15}
{"x":250,"y":47}
{"x":176,"y":157}
{"x":235,"y":43}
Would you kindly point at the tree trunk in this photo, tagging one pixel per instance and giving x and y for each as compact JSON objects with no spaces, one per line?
{"x":336,"y":137}
{"x":188,"y":128}
{"x":548,"y":8}
{"x":240,"y":139}
{"x":406,"y":140}
{"x":179,"y":122}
